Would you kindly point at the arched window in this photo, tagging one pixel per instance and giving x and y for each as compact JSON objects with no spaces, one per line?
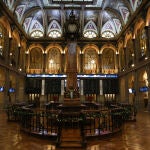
{"x":53,"y":61}
{"x":122,"y":59}
{"x":13,"y":52}
{"x":130,"y":52}
{"x":108,"y":61}
{"x":142,"y":41}
{"x":36,"y":29}
{"x":90,"y":61}
{"x":22,"y":59}
{"x":109,"y":30}
{"x":54,"y":30}
{"x":90,"y":30}
{"x":108,"y":34}
{"x":37,"y":34}
{"x":36,"y":60}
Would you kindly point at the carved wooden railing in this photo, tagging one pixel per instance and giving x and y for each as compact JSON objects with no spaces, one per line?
{"x":91,"y":123}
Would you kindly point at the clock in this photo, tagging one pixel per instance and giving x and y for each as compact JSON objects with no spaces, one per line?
{"x":72,"y":28}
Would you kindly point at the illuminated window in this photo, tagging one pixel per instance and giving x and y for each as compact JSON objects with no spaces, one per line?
{"x":90,"y":30}
{"x":54,"y":34}
{"x":90,"y":61}
{"x":108,"y":34}
{"x":54,"y":30}
{"x":131,"y":54}
{"x":143,"y":42}
{"x":90,"y":34}
{"x":37,"y":34}
{"x":108,"y":61}
{"x":53,"y":58}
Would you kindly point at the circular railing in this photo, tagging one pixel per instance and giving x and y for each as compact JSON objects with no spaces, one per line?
{"x":90,"y":122}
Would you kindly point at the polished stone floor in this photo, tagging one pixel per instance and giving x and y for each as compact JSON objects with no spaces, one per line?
{"x":135,"y":136}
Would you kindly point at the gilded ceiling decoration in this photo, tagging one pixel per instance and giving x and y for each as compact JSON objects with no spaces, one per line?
{"x":97,"y":18}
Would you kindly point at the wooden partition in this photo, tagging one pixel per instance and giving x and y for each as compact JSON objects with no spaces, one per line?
{"x":110,"y":86}
{"x":91,"y":86}
{"x":33,"y":85}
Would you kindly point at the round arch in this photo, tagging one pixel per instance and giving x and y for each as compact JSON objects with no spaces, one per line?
{"x":54,"y":46}
{"x":15,"y":34}
{"x":120,"y":45}
{"x":148,"y":17}
{"x":93,"y":46}
{"x":34,"y":46}
{"x":127,"y":37}
{"x":108,"y":46}
{"x":142,"y":77}
{"x":6,"y":24}
{"x":137,"y":26}
{"x":23,"y":44}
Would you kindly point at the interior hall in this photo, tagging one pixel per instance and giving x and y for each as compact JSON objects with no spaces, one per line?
{"x":74,"y":74}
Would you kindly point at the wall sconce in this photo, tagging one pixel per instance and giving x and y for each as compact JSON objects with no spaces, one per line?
{"x":27,"y":52}
{"x":63,"y":52}
{"x":146,"y":58}
{"x":20,"y":69}
{"x":132,"y":65}
{"x":132,"y":55}
{"x":117,"y":53}
{"x":81,"y":52}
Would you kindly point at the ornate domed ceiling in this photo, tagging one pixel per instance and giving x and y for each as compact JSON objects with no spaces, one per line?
{"x":97,"y":18}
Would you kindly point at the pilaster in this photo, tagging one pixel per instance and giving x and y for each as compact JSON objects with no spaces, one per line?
{"x":147,"y":29}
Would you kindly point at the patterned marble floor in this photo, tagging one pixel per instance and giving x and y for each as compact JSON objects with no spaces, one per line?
{"x":135,"y":136}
